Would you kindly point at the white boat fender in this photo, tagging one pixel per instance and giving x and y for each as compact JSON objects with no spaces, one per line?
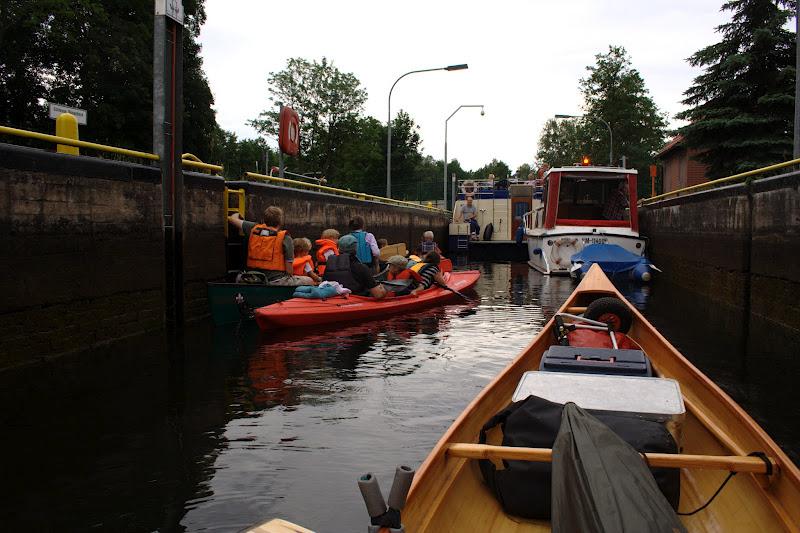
{"x":380,"y":515}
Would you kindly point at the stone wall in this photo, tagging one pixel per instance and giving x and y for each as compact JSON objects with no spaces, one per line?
{"x":82,"y":259}
{"x":737,"y":245}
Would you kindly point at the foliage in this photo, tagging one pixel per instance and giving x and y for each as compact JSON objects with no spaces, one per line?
{"x":560,"y":143}
{"x":522,"y":171}
{"x":496,"y":167}
{"x":329,"y":103}
{"x":240,"y":156}
{"x":613,"y":92}
{"x":742,"y":105}
{"x":97,"y":56}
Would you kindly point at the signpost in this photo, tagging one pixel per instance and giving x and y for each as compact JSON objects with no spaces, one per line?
{"x":168,"y":144}
{"x":56,"y":110}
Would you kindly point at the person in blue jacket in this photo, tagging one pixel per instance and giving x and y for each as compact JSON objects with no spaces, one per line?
{"x":367,"y":251}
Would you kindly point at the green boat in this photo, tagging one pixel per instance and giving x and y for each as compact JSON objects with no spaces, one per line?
{"x":231,"y":302}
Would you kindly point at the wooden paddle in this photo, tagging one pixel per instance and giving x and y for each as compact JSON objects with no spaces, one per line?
{"x":731,"y":463}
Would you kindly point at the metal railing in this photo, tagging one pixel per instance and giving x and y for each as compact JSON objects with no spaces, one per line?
{"x":341,"y":192}
{"x":719,"y":181}
{"x":192,"y":161}
{"x":188,"y":160}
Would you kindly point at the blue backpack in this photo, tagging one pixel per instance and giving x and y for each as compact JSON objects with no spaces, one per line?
{"x":363,"y":252}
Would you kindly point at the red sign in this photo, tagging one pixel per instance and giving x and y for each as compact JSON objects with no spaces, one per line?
{"x":653,"y":171}
{"x":289,"y":131}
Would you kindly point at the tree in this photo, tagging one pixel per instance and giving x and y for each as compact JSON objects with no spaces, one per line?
{"x":615,"y":92}
{"x":496,"y":167}
{"x":742,"y":105}
{"x":328,"y":101}
{"x":560,"y":143}
{"x":97,"y":56}
{"x":522,"y":171}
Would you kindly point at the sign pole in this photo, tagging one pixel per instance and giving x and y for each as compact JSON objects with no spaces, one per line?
{"x":168,"y":145}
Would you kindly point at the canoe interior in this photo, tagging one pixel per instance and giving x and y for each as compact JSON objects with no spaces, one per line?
{"x":449,"y":494}
{"x":225,"y":310}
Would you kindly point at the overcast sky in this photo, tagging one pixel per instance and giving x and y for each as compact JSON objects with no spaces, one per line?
{"x":525,"y":59}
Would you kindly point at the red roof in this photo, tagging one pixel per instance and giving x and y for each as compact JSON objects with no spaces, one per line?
{"x":674,"y":143}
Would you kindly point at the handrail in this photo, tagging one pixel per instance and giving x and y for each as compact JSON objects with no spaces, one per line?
{"x":342,"y":192}
{"x":749,"y":173}
{"x":189,"y":160}
{"x":74,"y":142}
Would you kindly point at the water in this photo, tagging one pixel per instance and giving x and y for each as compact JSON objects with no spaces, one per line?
{"x":228,"y":430}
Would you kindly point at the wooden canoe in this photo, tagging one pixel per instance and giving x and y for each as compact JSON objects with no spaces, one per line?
{"x":448,"y":493}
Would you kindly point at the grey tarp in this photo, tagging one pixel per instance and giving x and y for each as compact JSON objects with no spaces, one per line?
{"x":601,"y":484}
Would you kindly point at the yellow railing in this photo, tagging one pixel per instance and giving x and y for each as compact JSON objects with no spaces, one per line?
{"x":714,"y":183}
{"x":192,"y":161}
{"x":341,"y":192}
{"x":189,"y":160}
{"x":239,"y":208}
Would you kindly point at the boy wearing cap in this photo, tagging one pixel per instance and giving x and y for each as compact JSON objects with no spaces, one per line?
{"x":346,"y":269}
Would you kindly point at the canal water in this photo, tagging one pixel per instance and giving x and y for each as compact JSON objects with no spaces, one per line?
{"x":229,"y":428}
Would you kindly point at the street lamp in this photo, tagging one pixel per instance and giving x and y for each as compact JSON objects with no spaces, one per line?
{"x":445,"y":150}
{"x":462,"y":66}
{"x":610,"y":135}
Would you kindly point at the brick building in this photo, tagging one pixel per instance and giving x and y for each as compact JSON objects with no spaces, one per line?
{"x":680,"y":168}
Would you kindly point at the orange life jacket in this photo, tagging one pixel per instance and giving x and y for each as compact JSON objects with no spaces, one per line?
{"x":265,"y":252}
{"x":324,"y":246}
{"x":298,"y":265}
{"x":404,"y":274}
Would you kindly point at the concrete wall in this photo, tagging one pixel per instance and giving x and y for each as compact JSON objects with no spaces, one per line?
{"x":738,"y":246}
{"x":82,"y":259}
{"x":307,"y":213}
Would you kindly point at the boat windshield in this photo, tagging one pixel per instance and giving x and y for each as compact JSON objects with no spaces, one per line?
{"x":594,"y":198}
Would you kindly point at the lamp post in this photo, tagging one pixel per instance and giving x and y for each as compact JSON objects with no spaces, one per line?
{"x":610,"y":135}
{"x":445,"y":150}
{"x":462,"y":66}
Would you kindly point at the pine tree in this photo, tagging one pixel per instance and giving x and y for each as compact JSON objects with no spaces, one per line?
{"x":742,"y":105}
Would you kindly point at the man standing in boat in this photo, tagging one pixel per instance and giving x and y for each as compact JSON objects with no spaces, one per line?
{"x":270,"y":249}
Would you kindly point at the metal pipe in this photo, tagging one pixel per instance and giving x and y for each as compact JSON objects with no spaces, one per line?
{"x":74,"y":142}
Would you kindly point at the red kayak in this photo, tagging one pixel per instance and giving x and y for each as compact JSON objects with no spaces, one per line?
{"x":305,"y":312}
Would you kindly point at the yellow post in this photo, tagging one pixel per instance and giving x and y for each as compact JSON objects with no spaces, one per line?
{"x":67,"y":126}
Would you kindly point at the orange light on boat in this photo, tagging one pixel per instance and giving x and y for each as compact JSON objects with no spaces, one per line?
{"x":586,"y":161}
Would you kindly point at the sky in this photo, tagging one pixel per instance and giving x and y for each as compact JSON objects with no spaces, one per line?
{"x":525,"y":59}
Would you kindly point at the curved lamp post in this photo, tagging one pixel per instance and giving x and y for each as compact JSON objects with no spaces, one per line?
{"x":389,"y":121}
{"x":445,"y":150}
{"x":610,"y":135}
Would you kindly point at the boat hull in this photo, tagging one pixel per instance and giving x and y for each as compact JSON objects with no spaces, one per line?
{"x":224,"y":307}
{"x":305,"y":312}
{"x":551,"y":251}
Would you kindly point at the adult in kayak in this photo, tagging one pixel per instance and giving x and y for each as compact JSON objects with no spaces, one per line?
{"x":350,"y":272}
{"x":270,"y":249}
{"x":429,"y":272}
{"x":367,"y":250}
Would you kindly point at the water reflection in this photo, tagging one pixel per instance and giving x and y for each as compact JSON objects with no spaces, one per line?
{"x":234,"y":426}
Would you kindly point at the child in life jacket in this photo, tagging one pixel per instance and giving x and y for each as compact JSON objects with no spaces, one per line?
{"x":428,"y":244}
{"x":397,"y":270}
{"x":327,"y":245}
{"x":303,"y":263}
